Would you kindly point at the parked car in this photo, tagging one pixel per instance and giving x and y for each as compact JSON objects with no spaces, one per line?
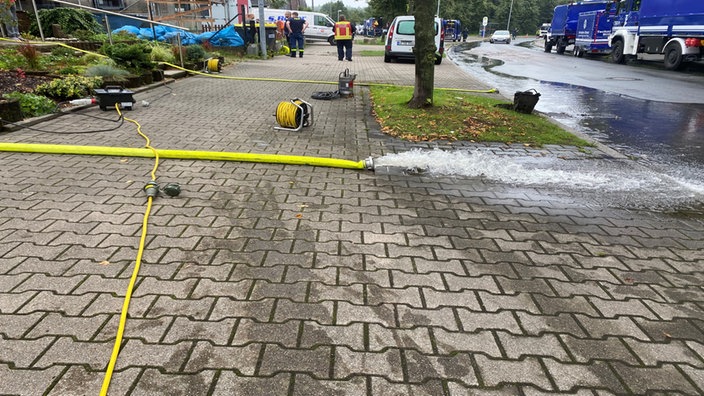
{"x":543,"y":30}
{"x":401,"y":38}
{"x":500,"y":36}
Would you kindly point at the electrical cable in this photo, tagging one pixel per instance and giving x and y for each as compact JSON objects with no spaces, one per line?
{"x":140,"y":252}
{"x":165,"y":85}
{"x":120,"y":119}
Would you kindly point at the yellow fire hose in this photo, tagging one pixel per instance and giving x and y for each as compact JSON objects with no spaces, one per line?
{"x":185,"y":154}
{"x":151,"y":194}
{"x":491,"y":90}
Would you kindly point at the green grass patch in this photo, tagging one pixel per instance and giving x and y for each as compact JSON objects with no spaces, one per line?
{"x":461,"y":116}
{"x":371,"y":53}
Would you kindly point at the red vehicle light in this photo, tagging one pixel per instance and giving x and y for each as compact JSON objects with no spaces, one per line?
{"x":693,"y":42}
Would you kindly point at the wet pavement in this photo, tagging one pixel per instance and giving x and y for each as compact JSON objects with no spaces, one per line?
{"x":517,"y":271}
{"x":655,"y":115}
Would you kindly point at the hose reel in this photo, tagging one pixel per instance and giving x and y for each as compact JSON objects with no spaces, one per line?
{"x":294,"y":115}
{"x":213,"y":65}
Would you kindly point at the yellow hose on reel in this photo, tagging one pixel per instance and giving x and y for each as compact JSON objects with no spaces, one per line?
{"x":213,"y":65}
{"x":294,"y":115}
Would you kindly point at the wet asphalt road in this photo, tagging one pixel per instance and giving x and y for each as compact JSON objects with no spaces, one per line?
{"x":639,"y":109}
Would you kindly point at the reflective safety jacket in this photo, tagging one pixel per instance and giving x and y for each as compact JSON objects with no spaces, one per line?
{"x":343,"y":30}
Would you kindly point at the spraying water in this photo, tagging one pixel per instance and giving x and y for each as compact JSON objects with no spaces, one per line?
{"x":620,"y":178}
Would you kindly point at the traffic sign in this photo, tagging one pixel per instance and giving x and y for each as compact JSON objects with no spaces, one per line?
{"x":485,"y":21}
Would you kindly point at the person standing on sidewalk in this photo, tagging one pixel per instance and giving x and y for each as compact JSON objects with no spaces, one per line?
{"x":297,"y":26}
{"x":344,"y":34}
{"x":284,"y":29}
{"x":8,"y":16}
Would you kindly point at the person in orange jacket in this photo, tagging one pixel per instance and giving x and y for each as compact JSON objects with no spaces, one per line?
{"x":344,"y":34}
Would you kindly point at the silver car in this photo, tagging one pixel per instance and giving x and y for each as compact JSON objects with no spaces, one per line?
{"x":500,"y":36}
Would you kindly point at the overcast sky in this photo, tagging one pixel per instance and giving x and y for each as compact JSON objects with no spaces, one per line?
{"x":348,"y":3}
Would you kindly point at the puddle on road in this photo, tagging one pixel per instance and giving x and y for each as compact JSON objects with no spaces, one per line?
{"x":665,"y":136}
{"x":608,"y":182}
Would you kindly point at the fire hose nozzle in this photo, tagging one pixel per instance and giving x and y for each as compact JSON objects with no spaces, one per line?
{"x":152,"y":189}
{"x":369,"y":163}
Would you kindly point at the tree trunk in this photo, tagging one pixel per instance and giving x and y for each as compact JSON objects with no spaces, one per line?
{"x":424,"y":13}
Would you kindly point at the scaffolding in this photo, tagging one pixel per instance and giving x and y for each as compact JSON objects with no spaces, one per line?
{"x":187,"y":13}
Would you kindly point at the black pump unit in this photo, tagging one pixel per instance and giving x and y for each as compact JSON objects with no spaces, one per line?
{"x":112,"y":94}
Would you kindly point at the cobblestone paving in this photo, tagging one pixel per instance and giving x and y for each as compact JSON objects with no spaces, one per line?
{"x":272,"y":279}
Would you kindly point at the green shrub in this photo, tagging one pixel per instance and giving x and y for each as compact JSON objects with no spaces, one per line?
{"x":70,"y":70}
{"x":33,"y":105}
{"x":107,"y":72}
{"x":195,"y":53}
{"x":69,"y":87}
{"x":82,"y":34}
{"x":132,"y":57}
{"x":69,"y":19}
{"x":89,"y":59}
{"x":61,"y":51}
{"x":11,"y":59}
{"x":161,"y":54}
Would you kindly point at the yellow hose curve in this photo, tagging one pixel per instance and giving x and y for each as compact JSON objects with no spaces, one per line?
{"x":491,"y":90}
{"x":182,"y":154}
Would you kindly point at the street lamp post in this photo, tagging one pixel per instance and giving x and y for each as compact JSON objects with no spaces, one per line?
{"x":510,"y":10}
{"x":338,"y":14}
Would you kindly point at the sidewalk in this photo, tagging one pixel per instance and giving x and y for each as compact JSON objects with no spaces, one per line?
{"x":274,"y":279}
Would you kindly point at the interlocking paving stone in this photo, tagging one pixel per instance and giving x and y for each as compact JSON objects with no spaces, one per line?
{"x":352,"y":336}
{"x":228,"y":382}
{"x":498,"y":372}
{"x":271,"y":279}
{"x":239,"y":359}
{"x":152,"y":381}
{"x":569,"y":376}
{"x":284,"y":334}
{"x":316,"y":362}
{"x":648,"y":379}
{"x":23,"y":382}
{"x":76,"y":380}
{"x":304,"y":385}
{"x":504,"y":320}
{"x":385,"y":364}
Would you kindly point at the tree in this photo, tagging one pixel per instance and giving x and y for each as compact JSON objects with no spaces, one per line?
{"x":424,"y":51}
{"x":388,"y":9}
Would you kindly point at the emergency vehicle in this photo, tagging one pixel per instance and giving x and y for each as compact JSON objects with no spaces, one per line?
{"x":672,"y":28}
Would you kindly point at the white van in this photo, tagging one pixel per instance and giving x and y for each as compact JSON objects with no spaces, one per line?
{"x":320,"y":26}
{"x":402,"y":37}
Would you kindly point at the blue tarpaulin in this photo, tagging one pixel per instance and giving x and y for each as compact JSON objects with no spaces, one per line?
{"x":227,"y":37}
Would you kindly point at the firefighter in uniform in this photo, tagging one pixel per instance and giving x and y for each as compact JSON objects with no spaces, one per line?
{"x":297,"y":27}
{"x":344,"y":33}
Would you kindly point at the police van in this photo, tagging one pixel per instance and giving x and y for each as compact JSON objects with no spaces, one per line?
{"x":401,"y":38}
{"x":320,"y":26}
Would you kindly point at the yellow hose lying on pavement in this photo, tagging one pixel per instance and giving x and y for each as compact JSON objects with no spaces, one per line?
{"x":184,"y":154}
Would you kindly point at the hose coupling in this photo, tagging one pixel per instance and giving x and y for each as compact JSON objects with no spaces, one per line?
{"x":172,"y":189}
{"x":152,"y":189}
{"x":369,"y":163}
